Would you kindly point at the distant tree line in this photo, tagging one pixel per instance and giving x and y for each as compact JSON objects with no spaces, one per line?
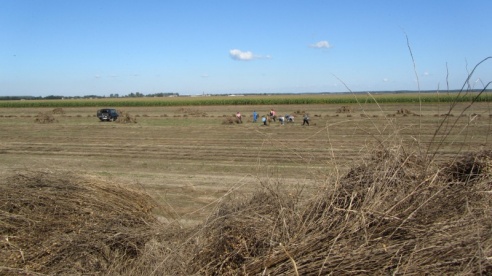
{"x":55,"y":97}
{"x":139,"y":95}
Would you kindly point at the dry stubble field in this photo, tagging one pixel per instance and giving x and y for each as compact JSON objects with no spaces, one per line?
{"x":187,"y":158}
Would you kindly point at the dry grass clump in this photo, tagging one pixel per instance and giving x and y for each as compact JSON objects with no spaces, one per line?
{"x":243,"y":229}
{"x":397,"y":214}
{"x":231,"y":120}
{"x":125,"y":118}
{"x":344,"y":109}
{"x":470,"y":167}
{"x":404,"y":111}
{"x":67,"y":224}
{"x":192,"y":112}
{"x":58,"y":110}
{"x":228,"y":121}
{"x":45,"y":118}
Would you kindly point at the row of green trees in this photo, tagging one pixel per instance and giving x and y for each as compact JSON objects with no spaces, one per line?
{"x":116,"y":95}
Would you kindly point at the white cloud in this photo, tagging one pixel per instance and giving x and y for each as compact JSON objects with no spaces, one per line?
{"x":245,"y":56}
{"x":385,"y":79}
{"x":240,"y":55}
{"x":321,"y":45}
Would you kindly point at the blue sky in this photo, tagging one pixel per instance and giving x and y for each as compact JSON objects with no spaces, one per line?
{"x":85,"y":47}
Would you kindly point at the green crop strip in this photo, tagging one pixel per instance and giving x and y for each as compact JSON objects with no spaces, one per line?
{"x":254,"y":100}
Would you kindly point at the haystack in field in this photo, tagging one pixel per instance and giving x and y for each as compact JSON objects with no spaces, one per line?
{"x":404,"y":111}
{"x":345,"y":109}
{"x":125,"y":118}
{"x":44,"y":118}
{"x":228,"y":121}
{"x":396,"y":214}
{"x":231,"y":120}
{"x":58,"y":110}
{"x":67,"y":224}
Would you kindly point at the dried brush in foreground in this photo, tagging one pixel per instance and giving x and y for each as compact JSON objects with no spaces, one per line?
{"x":397,"y":214}
{"x":68,"y":224}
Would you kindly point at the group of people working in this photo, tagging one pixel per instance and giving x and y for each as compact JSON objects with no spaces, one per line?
{"x":273,"y":116}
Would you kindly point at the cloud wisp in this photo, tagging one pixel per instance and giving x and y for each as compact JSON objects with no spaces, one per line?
{"x":237,"y":54}
{"x":321,"y":45}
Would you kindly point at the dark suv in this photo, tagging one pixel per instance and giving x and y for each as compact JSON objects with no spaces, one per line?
{"x":107,"y":114}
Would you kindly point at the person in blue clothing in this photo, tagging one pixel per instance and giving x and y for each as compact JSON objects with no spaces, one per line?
{"x":255,"y":116}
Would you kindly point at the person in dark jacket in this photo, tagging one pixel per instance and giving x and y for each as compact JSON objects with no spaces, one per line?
{"x":305,"y":119}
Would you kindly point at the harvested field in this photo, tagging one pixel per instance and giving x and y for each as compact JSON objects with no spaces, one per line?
{"x":369,"y":194}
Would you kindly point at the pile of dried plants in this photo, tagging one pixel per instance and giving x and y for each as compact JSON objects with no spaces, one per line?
{"x":61,"y":223}
{"x":44,"y":118}
{"x":125,"y":117}
{"x":397,"y":214}
{"x":58,"y":110}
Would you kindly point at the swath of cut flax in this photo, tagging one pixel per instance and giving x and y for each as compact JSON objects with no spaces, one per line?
{"x":64,"y":223}
{"x":398,"y":213}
